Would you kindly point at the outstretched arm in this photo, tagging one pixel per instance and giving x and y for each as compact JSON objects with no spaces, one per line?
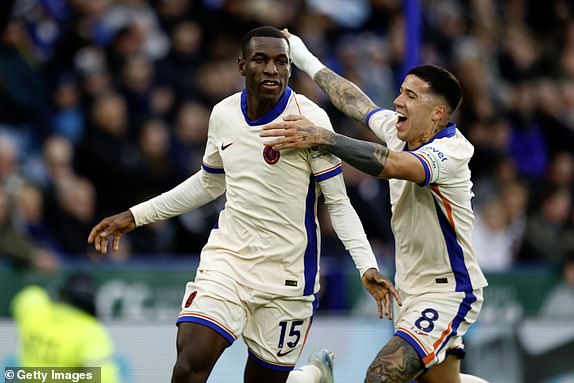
{"x":369,"y":157}
{"x":345,"y":95}
{"x":194,"y":192}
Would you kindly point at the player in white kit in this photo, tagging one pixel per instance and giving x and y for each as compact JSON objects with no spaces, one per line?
{"x":259,"y":271}
{"x":425,"y":158}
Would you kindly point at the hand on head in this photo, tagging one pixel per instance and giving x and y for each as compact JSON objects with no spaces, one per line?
{"x":301,"y":56}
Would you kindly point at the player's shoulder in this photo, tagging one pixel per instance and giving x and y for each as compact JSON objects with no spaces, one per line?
{"x":305,"y":103}
{"x":228,"y":103}
{"x":309,"y":108}
{"x":450,"y":138}
{"x":381,"y":116}
{"x":458,"y":144}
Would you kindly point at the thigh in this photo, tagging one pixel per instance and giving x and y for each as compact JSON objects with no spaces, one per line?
{"x":447,"y":371}
{"x":277,"y":330}
{"x":434,"y":323}
{"x":396,"y":362}
{"x":198,"y":348}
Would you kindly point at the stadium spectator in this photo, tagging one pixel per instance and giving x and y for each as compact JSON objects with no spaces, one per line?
{"x":17,"y":246}
{"x":68,"y":116}
{"x":549,"y":231}
{"x":30,"y":217}
{"x":75,"y":215}
{"x":492,"y":239}
{"x":559,"y":303}
{"x":108,"y":156}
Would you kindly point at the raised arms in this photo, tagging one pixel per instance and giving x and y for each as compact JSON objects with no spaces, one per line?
{"x":345,"y":95}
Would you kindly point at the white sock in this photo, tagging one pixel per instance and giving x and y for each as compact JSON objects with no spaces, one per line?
{"x":464,"y":378}
{"x":306,"y":374}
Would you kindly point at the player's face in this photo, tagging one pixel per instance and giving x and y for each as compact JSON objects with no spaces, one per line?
{"x":266,"y":68}
{"x":417,"y":107}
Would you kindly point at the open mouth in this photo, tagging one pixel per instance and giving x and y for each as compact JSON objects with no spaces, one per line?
{"x":270,"y":84}
{"x":401,"y":119}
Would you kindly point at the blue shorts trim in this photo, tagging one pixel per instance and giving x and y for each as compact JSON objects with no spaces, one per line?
{"x":460,"y":353}
{"x":421,"y":353}
{"x":270,"y":366}
{"x":204,"y":322}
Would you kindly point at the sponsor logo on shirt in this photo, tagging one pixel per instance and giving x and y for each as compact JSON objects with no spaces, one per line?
{"x":225,"y":146}
{"x":280,"y":354}
{"x":442,"y":157}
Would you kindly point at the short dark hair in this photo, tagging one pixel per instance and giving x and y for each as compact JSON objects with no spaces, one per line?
{"x":442,"y":83}
{"x":79,"y":290}
{"x":265,"y":31}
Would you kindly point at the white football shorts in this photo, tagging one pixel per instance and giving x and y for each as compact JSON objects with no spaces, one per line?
{"x":434,"y":323}
{"x":273,"y":327}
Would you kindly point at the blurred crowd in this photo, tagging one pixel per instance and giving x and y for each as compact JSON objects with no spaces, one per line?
{"x":105,"y":103}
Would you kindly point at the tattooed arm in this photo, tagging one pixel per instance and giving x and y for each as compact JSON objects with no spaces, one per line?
{"x":369,"y":157}
{"x":345,"y":95}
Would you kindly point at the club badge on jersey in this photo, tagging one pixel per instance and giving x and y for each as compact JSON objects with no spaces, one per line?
{"x":190,"y":299}
{"x":270,"y":155}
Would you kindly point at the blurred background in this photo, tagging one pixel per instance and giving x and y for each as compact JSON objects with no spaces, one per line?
{"x":105,"y":103}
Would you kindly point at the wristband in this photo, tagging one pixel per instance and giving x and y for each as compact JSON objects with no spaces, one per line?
{"x":303,"y":58}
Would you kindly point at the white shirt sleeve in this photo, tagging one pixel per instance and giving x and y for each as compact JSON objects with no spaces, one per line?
{"x":444,"y":160}
{"x":347,"y":224}
{"x":196,"y":191}
{"x":382,"y":122}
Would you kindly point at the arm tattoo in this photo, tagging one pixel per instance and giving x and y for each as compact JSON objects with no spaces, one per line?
{"x":345,"y":95}
{"x":397,"y":362}
{"x":368,"y":157}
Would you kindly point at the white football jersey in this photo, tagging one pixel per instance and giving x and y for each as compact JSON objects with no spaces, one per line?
{"x":432,"y":222}
{"x":267,"y":236}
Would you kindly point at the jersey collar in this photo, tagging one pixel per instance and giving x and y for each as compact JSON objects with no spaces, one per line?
{"x":448,"y":131}
{"x":269,"y":116}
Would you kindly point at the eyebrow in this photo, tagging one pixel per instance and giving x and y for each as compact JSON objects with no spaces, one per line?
{"x":408,"y":90}
{"x":266,"y":55}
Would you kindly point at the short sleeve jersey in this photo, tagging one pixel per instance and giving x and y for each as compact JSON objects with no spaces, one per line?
{"x":267,"y":236}
{"x":432,"y":222}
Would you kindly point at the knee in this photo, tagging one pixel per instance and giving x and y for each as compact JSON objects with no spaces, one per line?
{"x":189,"y":369}
{"x":181,"y":373}
{"x":379,"y":372}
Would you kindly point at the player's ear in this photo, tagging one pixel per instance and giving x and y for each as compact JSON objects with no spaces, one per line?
{"x":440,"y":111}
{"x":241,"y":66}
